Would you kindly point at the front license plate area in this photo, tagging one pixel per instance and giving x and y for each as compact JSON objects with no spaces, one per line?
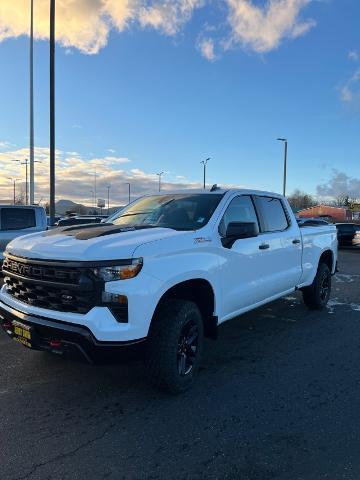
{"x":23,"y":334}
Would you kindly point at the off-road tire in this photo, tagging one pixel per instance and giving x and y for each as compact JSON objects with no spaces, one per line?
{"x":162,"y":355}
{"x":317,"y":295}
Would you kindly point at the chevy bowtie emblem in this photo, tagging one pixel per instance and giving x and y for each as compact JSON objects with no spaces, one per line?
{"x":67,"y":298}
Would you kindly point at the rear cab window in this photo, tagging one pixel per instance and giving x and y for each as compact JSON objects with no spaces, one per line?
{"x":17,"y":218}
{"x":272,"y":213}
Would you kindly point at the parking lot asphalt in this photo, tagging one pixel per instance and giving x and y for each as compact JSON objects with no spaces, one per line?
{"x":277,"y":397}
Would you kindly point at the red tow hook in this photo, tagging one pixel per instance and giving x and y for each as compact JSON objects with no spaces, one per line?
{"x":8,"y":327}
{"x":55,"y":343}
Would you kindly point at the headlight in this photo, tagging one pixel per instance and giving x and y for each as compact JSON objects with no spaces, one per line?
{"x":121,"y":272}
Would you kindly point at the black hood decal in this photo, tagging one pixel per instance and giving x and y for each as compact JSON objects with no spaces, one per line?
{"x":91,"y":230}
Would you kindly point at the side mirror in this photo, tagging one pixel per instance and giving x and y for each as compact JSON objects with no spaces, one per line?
{"x":238,"y":230}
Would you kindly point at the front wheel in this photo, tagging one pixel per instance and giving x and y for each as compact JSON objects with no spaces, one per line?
{"x":317,"y":295}
{"x":174,"y":346}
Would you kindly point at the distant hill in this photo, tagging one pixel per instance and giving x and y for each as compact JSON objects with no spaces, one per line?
{"x":62,"y":206}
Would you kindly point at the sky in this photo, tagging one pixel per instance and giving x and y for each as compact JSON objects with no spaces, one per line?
{"x":144,"y":86}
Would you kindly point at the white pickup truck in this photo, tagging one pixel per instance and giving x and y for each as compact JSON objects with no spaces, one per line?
{"x":165,"y":273}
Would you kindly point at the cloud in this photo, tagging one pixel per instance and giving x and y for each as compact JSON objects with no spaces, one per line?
{"x":340,"y":184}
{"x":350,"y":91}
{"x":75,"y":175}
{"x":207,"y":48}
{"x":168,"y":15}
{"x":5,"y":145}
{"x":262,"y":29}
{"x":86,"y":24}
{"x":354,"y":55}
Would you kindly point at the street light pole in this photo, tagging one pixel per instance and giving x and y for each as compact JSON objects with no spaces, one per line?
{"x":32,"y":173}
{"x":159,"y":175}
{"x":284,"y":140}
{"x":108,"y":197}
{"x":52,"y":113}
{"x":25,"y":162}
{"x":128,"y":184}
{"x":95,"y":193}
{"x":14,"y":180}
{"x":204,"y":162}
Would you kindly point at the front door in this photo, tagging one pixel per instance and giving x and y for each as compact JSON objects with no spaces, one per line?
{"x":241,"y":274}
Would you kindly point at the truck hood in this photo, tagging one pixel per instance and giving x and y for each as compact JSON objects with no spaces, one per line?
{"x":75,"y":244}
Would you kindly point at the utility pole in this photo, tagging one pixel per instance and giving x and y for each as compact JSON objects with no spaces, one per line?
{"x":32,"y":172}
{"x":204,"y":162}
{"x":52,"y":112}
{"x":284,"y":140}
{"x":108,"y":197}
{"x":159,"y":175}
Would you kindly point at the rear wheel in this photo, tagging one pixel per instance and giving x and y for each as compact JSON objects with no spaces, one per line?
{"x":317,"y":295}
{"x":174,"y":346}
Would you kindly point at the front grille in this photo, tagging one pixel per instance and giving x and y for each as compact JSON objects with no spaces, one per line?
{"x":65,"y":289}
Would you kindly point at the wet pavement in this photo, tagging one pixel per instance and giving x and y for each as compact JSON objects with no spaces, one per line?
{"x":277,"y":398}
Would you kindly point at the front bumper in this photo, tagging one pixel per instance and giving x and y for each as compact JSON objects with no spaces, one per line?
{"x":66,"y":339}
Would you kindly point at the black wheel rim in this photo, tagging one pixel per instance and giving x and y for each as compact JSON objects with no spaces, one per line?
{"x":187,"y":348}
{"x":325,"y":288}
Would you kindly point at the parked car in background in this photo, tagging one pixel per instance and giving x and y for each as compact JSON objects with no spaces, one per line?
{"x":356,"y":239}
{"x":78,"y":220}
{"x":346,"y":233}
{"x":17,"y":220}
{"x":57,"y":218}
{"x":311,"y":222}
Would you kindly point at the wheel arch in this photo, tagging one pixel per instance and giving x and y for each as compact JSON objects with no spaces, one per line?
{"x":327,"y":257}
{"x":199,"y":291}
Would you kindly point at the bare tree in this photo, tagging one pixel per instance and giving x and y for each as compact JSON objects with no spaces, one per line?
{"x":301,"y":200}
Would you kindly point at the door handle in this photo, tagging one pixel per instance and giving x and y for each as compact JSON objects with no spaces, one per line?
{"x":264,"y":246}
{"x":296,"y":241}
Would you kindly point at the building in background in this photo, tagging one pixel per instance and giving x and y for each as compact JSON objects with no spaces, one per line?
{"x":334,"y":214}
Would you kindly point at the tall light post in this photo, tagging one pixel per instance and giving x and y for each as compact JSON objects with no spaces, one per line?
{"x":31,"y":149}
{"x":160,"y":175}
{"x":204,"y":162}
{"x":52,"y":113}
{"x":284,"y":140}
{"x":95,"y":192}
{"x":108,"y":198}
{"x":128,"y":184}
{"x":25,"y":162}
{"x":14,"y":180}
{"x":92,"y":197}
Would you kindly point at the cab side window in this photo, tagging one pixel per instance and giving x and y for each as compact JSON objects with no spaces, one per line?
{"x":240,"y":209}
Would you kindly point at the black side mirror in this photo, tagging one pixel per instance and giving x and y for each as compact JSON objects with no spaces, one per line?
{"x":238,"y":230}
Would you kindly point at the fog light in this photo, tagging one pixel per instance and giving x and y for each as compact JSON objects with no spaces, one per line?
{"x":114,"y":298}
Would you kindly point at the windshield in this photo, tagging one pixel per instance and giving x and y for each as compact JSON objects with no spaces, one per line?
{"x":179,"y":212}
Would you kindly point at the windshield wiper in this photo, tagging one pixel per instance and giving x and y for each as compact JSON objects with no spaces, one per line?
{"x":133,"y":214}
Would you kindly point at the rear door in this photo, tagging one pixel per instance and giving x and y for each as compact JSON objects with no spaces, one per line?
{"x":280,"y":245}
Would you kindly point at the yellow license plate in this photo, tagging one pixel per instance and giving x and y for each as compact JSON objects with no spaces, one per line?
{"x":22,"y":334}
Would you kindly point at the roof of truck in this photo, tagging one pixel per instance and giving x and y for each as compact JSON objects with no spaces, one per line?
{"x":217,"y":191}
{"x":20,"y":206}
